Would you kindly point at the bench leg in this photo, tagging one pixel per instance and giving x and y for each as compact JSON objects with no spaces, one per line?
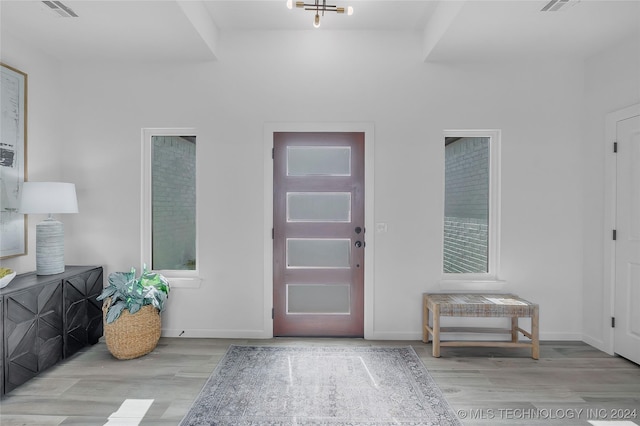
{"x":514,"y":329}
{"x":535,"y":340}
{"x":436,"y":332}
{"x":425,"y":322}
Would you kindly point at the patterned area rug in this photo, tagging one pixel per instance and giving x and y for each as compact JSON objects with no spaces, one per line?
{"x":260,"y":385}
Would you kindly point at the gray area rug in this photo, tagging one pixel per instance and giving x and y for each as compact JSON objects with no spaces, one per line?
{"x":263,"y":385}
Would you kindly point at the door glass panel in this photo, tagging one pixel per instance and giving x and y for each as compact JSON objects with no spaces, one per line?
{"x":318,"y":299}
{"x":318,"y":161}
{"x":318,"y":253}
{"x":318,"y":207}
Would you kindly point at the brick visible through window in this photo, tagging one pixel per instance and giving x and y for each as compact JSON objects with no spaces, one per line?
{"x":466,"y":201}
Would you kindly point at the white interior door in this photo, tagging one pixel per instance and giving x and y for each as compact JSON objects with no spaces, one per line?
{"x":627,"y":264}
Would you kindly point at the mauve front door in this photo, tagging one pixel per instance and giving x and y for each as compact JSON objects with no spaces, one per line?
{"x":318,"y":246}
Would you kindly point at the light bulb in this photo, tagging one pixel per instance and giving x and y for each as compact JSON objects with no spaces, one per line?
{"x":349,"y":11}
{"x":316,"y":21}
{"x":289,"y":4}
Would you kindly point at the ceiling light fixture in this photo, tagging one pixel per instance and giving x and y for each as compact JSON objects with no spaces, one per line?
{"x":319,"y":7}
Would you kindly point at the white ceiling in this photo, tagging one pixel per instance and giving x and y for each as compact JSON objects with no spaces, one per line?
{"x":502,"y":29}
{"x":158,"y":30}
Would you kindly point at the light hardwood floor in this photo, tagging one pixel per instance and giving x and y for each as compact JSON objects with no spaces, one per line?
{"x":570,"y":384}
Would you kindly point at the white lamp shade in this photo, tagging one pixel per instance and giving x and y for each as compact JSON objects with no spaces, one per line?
{"x":48,"y":198}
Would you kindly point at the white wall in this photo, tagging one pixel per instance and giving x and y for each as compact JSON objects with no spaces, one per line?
{"x":45,"y":140}
{"x":317,"y":76}
{"x":612,"y":82}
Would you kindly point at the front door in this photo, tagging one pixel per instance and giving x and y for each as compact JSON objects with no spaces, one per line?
{"x":318,"y":245}
{"x":627,"y":267}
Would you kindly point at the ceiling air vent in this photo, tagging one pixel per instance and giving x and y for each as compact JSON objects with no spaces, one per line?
{"x":61,"y":9}
{"x":556,"y":5}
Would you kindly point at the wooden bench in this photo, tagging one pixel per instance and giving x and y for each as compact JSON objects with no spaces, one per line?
{"x":480,"y":306}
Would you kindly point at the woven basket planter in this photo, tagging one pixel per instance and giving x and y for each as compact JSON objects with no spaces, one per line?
{"x":132,"y":335}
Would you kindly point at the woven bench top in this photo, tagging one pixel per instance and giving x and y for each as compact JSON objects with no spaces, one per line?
{"x":480,"y":305}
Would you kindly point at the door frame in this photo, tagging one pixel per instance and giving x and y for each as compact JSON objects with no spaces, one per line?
{"x":369,"y":223}
{"x":609,"y":266}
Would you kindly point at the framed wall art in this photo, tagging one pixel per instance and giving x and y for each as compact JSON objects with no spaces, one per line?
{"x":13,"y":160}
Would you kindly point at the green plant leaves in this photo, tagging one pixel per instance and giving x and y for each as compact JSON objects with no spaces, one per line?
{"x":107,"y":292}
{"x":114,"y":311}
{"x":134,"y":307}
{"x":128,"y":292}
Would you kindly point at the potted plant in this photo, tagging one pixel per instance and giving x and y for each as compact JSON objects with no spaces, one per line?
{"x":131,"y":312}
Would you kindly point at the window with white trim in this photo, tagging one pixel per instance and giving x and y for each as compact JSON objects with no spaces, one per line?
{"x":471,"y":223}
{"x":169,"y":202}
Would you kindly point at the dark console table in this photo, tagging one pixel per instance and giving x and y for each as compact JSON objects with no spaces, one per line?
{"x":45,"y":319}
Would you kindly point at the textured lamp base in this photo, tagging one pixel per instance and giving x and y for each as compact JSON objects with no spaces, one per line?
{"x":49,"y":247}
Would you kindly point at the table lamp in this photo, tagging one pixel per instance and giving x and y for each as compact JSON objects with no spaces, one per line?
{"x":49,"y":198}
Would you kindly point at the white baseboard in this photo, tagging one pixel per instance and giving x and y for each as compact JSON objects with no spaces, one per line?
{"x":477,"y":336}
{"x":377,"y":335}
{"x":556,"y":336}
{"x":217,"y":334}
{"x":393,"y":335}
{"x":596,"y":343}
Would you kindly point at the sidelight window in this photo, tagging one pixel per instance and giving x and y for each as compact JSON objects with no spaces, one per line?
{"x":471,"y":204}
{"x":170,"y":243}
